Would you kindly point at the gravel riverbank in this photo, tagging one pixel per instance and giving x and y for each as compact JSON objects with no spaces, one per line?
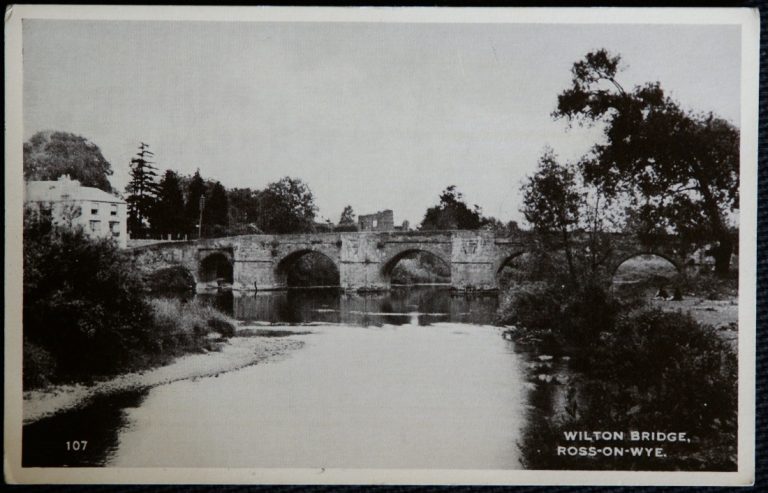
{"x":236,"y":353}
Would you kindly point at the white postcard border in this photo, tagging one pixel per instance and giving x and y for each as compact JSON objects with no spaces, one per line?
{"x":748,"y":19}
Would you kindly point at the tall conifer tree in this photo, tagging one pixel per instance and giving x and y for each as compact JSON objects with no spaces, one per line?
{"x":142,"y":190}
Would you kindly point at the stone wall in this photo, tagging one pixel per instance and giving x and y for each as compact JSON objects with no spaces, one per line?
{"x":379,"y":221}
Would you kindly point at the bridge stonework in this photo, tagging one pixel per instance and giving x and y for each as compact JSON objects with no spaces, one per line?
{"x":364,"y":259}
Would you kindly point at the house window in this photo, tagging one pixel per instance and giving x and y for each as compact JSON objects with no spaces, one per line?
{"x":95,"y":226}
{"x":114,"y":227}
{"x":375,"y":223}
{"x":95,"y":208}
{"x":113,"y":210}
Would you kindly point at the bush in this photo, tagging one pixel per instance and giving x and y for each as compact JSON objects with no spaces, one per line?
{"x":655,"y":371}
{"x":575,"y":316}
{"x":174,"y":279}
{"x":38,"y":364}
{"x":183,"y":326}
{"x":85,"y":314}
{"x":83,"y":301}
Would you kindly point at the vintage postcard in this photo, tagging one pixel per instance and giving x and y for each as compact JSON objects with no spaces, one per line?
{"x":380,"y":245}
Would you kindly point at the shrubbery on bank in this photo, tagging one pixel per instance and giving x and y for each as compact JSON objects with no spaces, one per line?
{"x":86,"y":313}
{"x":630,"y":368}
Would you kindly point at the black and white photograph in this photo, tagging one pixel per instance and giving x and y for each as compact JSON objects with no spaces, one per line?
{"x":390,"y":245}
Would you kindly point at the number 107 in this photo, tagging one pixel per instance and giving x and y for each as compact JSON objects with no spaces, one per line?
{"x":76,"y":445}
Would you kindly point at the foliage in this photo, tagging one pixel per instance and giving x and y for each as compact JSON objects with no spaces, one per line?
{"x":679,"y":169}
{"x":176,"y":279}
{"x":313,"y":269}
{"x":168,"y":211}
{"x":551,"y":202}
{"x":347,"y":217}
{"x":39,"y":365}
{"x":141,"y":190}
{"x":183,"y":326}
{"x":195,"y":192}
{"x":216,"y":211}
{"x":50,"y":155}
{"x":243,"y":211}
{"x":572,"y":316}
{"x":653,"y":371}
{"x":420,"y":267}
{"x":287,"y":206}
{"x":500,"y":227}
{"x":452,"y":213}
{"x":82,"y":300}
{"x":85,"y":311}
{"x":568,"y":215}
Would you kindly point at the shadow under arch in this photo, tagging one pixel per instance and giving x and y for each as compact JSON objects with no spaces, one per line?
{"x":643,"y":273}
{"x":307,"y":268}
{"x":389,"y":265}
{"x":670,"y":259}
{"x":215,"y":267}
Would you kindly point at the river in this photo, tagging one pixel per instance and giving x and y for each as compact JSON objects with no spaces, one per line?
{"x":412,"y":378}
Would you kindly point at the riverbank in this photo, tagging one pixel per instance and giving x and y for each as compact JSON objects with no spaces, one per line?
{"x":654,"y":363}
{"x":248,"y":347}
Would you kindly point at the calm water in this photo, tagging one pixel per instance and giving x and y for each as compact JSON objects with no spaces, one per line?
{"x":414,"y":378}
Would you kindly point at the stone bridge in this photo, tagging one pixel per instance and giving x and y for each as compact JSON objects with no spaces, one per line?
{"x":364,"y":260}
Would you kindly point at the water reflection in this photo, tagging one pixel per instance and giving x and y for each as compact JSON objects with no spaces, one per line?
{"x":443,"y":395}
{"x":44,"y":443}
{"x":418,"y":305}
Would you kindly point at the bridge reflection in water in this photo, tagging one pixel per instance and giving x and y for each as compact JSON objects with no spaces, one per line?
{"x":415,"y":305}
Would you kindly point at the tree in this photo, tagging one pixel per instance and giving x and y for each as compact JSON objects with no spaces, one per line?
{"x":675,"y":166}
{"x":195,"y":191}
{"x":216,"y":211}
{"x":347,"y":217}
{"x":85,"y":312}
{"x":287,"y":206}
{"x":452,"y":213}
{"x":142,"y":190}
{"x":50,"y":155}
{"x":243,"y":210}
{"x":551,"y":204}
{"x":168,"y":213}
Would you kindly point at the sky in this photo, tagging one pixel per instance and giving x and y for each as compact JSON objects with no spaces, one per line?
{"x":374,"y":115}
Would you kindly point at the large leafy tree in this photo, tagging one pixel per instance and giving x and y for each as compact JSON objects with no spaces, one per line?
{"x":552,"y":205}
{"x":216,"y":211}
{"x":569,"y":215}
{"x":678,"y":169}
{"x":85,"y":312}
{"x":287,"y":206}
{"x":168,"y":213}
{"x":50,"y":155}
{"x":452,"y":213}
{"x":141,"y":190}
{"x":243,"y":210}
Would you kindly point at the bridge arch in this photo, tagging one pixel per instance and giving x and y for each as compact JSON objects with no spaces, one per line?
{"x":646,"y":272}
{"x":215,"y":267}
{"x":285,"y":274}
{"x":676,"y":262}
{"x":505,"y":277}
{"x":388,"y":264}
{"x":507,"y":259}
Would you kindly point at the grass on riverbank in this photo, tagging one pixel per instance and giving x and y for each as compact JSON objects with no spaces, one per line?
{"x":176,"y":327}
{"x":184,"y":326}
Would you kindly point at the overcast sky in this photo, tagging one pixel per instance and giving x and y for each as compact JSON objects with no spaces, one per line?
{"x":379,"y":116}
